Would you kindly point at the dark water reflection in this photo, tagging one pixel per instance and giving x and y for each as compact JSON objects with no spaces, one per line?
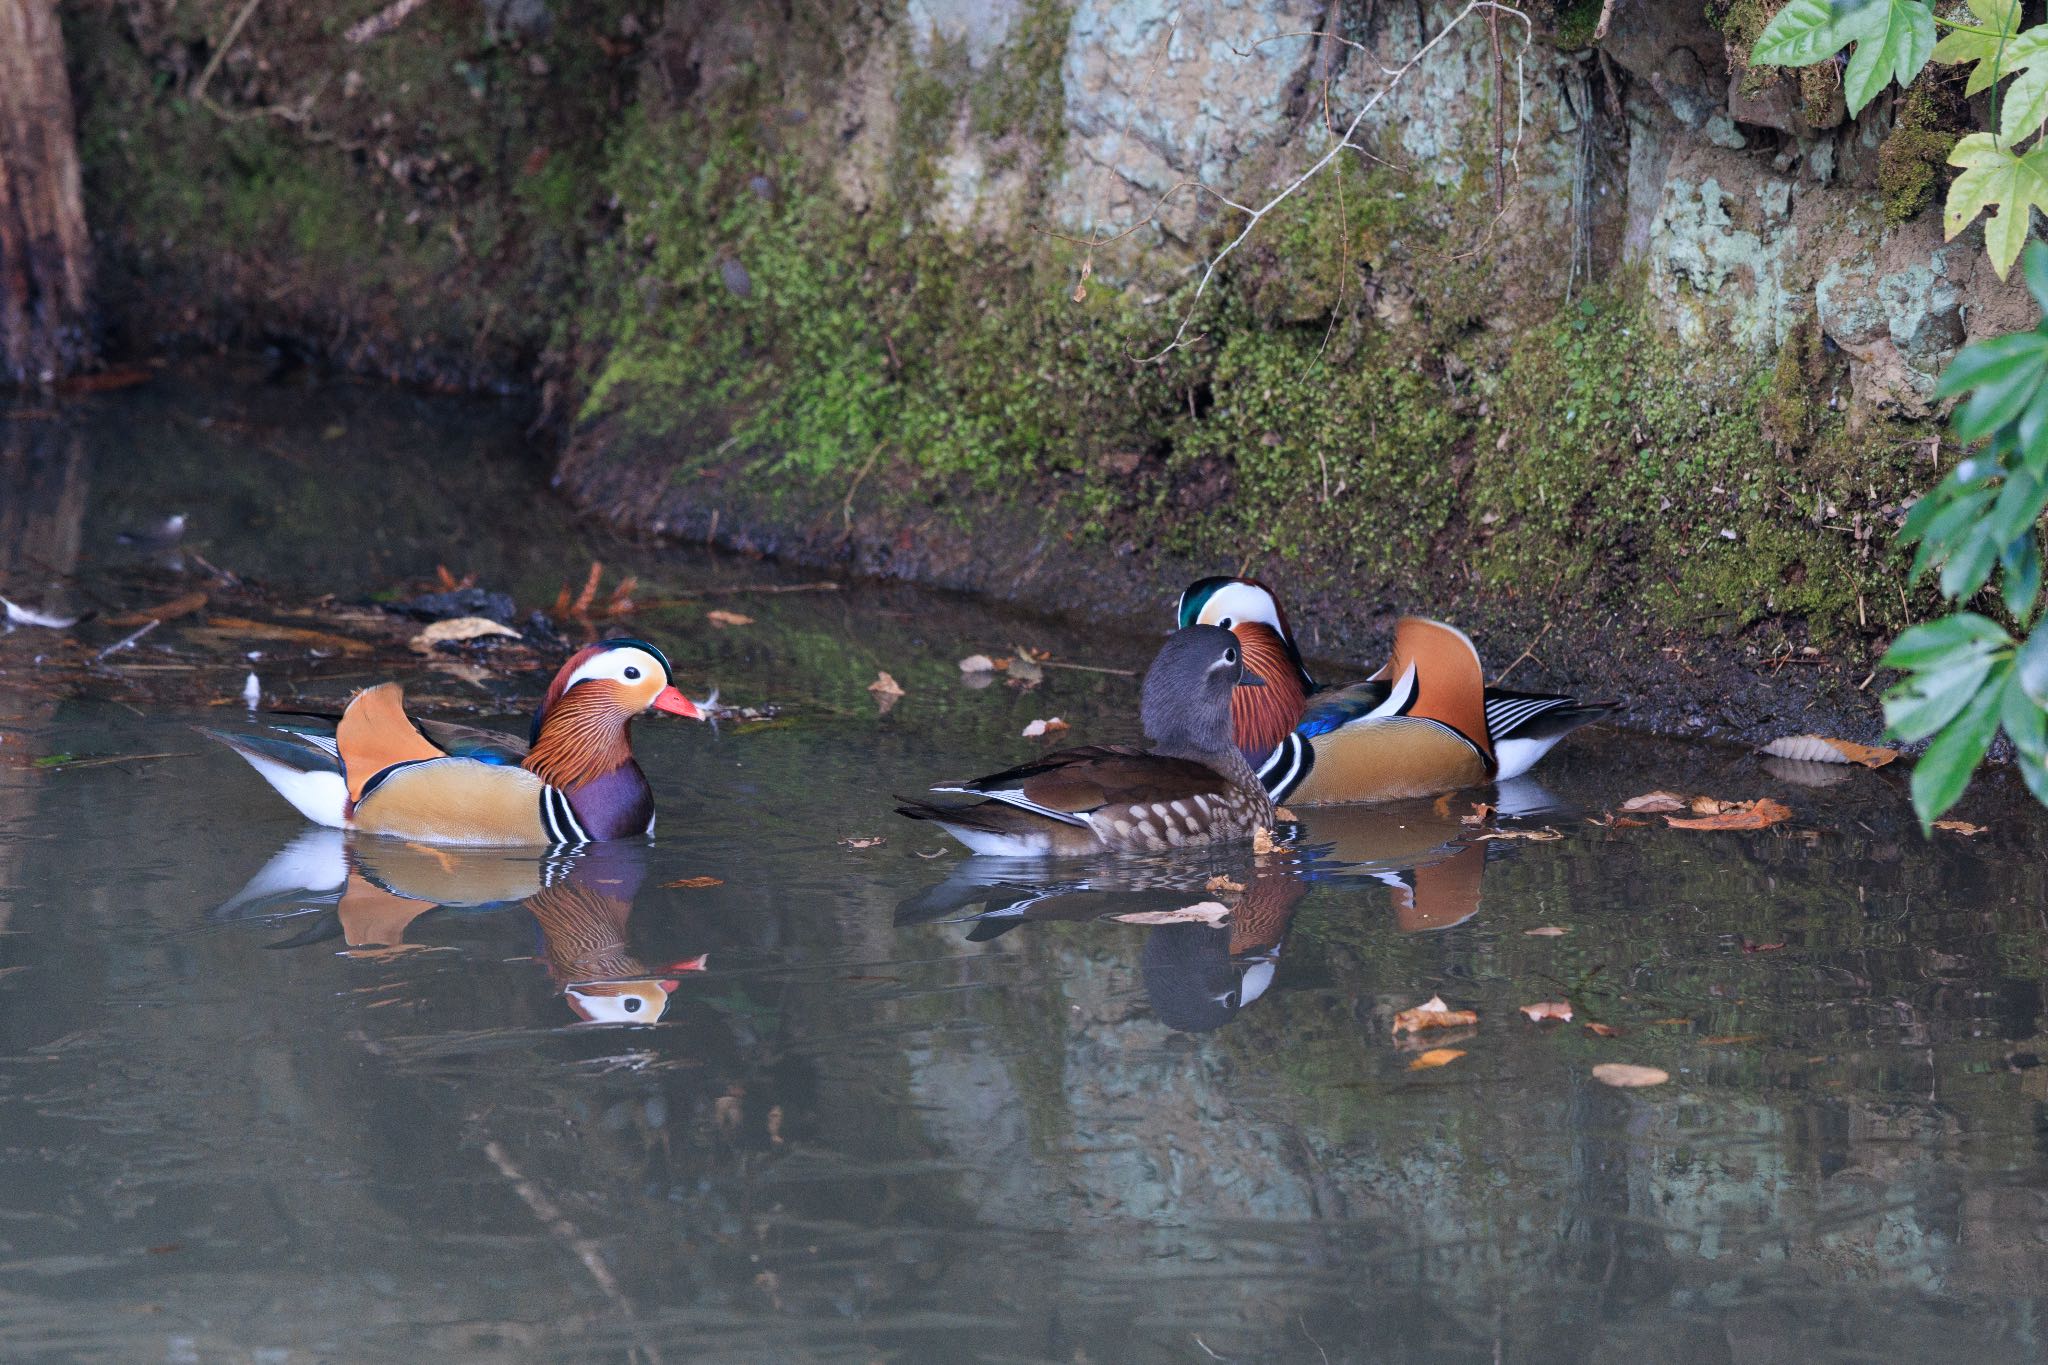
{"x":272,"y":1094}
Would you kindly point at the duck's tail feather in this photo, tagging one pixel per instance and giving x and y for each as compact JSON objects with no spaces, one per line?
{"x":302,"y":771}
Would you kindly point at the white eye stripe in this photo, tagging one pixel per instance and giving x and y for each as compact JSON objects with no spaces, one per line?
{"x":616,"y":665}
{"x":1234,"y":603}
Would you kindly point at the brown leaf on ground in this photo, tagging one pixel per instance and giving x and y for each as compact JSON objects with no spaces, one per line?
{"x":1962,"y":827}
{"x":864,"y":841}
{"x":240,"y":627}
{"x":1541,"y":836}
{"x":1599,"y":1030}
{"x":1821,"y":749}
{"x":167,"y":611}
{"x":1654,"y":802}
{"x":1548,"y":1009}
{"x":696,"y":882}
{"x":1044,"y":727}
{"x":1202,"y":912}
{"x":1433,"y":1013}
{"x":1435,"y":1057}
{"x":1626,"y":1076}
{"x":1545,"y":931}
{"x":458,"y":629}
{"x":722,"y":618}
{"x":1761,"y":813}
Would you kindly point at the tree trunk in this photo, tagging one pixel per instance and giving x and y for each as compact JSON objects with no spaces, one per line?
{"x":45,"y":255}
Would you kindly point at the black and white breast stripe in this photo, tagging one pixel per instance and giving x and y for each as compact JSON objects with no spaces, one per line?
{"x":558,"y":818}
{"x":1286,"y":766}
{"x":1506,"y":715}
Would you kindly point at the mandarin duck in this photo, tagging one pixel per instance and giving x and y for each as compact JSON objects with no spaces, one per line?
{"x":1425,"y":724}
{"x":1191,"y":787}
{"x":378,"y":770}
{"x":582,"y":919}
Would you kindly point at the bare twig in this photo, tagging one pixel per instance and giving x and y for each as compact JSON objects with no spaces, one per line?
{"x":1253,"y":217}
{"x":846,"y":507}
{"x":226,"y":42}
{"x":1529,"y":653}
{"x":382,"y":22}
{"x":127,"y":641}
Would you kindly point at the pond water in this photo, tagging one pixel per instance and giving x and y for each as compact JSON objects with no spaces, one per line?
{"x":266,"y":1095}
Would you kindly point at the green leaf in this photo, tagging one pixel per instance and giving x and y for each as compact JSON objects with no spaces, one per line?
{"x":1944,"y":770}
{"x":1925,"y":703}
{"x":1995,"y":360}
{"x":2035,"y":771}
{"x":1991,"y":50}
{"x":1932,"y":643}
{"x":1995,"y":178}
{"x":1893,"y":40}
{"x":2018,"y":506}
{"x":1952,"y":529}
{"x":2024,"y":720}
{"x":1969,"y":568}
{"x":2019,"y":576}
{"x":2004,"y":390}
{"x":2032,"y":666}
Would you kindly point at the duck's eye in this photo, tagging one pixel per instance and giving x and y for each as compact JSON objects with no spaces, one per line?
{"x":1225,"y":623}
{"x":1230,"y":656}
{"x":632,"y":674}
{"x":632,"y":1005}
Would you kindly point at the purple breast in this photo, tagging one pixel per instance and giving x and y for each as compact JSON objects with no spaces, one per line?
{"x":618,"y":805}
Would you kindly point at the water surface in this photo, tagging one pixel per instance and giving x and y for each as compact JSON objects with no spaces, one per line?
{"x":270,"y":1095}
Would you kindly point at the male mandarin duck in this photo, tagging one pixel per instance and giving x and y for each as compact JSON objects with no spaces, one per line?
{"x":1425,"y":724}
{"x":1191,"y":787}
{"x":379,"y":771}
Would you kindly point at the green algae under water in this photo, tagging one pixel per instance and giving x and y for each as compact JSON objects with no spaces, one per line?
{"x":267,"y":1095}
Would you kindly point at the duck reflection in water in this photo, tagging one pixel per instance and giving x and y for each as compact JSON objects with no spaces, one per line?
{"x":1198,"y":973}
{"x":373,"y":889}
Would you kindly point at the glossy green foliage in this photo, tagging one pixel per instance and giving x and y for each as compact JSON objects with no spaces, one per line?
{"x":1966,"y":674}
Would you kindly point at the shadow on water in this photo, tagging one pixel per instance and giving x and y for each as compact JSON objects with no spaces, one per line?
{"x":270,"y":1092}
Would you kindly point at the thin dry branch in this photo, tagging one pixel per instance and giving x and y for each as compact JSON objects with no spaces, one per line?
{"x":1395,"y":75}
{"x":227,"y":41}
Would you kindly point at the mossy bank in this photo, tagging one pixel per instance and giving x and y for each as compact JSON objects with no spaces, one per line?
{"x":1601,"y":353}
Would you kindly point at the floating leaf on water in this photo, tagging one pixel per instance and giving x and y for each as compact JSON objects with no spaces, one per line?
{"x":1044,"y":727}
{"x":722,"y":618}
{"x":1654,"y":802}
{"x":1541,"y":836}
{"x":1548,"y":1009}
{"x":1599,"y":1030}
{"x":981,"y":663}
{"x":696,"y":882}
{"x":864,"y":841}
{"x":458,"y":629}
{"x":1759,"y":814}
{"x":1282,"y":813}
{"x":1749,"y":947}
{"x":1435,"y":1057}
{"x":1222,"y":883}
{"x":1433,"y":1013}
{"x":1962,"y":827}
{"x":1266,"y":841}
{"x":1545,"y":931}
{"x":1480,"y":810}
{"x":241,"y":627}
{"x":1626,"y":1076}
{"x":1202,"y":912}
{"x":1821,"y":749}
{"x":167,"y":611}
{"x":887,"y":692}
{"x":1618,"y":822}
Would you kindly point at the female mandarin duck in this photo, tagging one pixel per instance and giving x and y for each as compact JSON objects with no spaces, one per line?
{"x":378,"y":771}
{"x":1191,"y":787}
{"x":1426,"y":723}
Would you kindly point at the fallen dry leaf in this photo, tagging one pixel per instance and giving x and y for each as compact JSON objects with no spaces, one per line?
{"x":1729,"y":1039}
{"x":1673,"y":1021}
{"x":722,"y":618}
{"x":885,"y":686}
{"x":1548,"y":1009}
{"x":981,"y":663}
{"x":1618,"y":822}
{"x":1433,"y":1013}
{"x":241,"y":627}
{"x":1962,"y":827}
{"x":1202,"y":912}
{"x":696,"y":881}
{"x":1751,"y":947}
{"x":1545,"y":931}
{"x":1821,"y":749}
{"x":864,"y":841}
{"x":1044,"y":727}
{"x":457,"y":629}
{"x":1480,"y":810}
{"x":1541,"y":836}
{"x":1282,"y":813}
{"x":1759,"y":814}
{"x":167,"y":611}
{"x":1222,"y":883}
{"x":1603,"y":1030}
{"x":1654,"y":802}
{"x":1266,"y":841}
{"x":1436,"y":1056}
{"x":1626,"y":1076}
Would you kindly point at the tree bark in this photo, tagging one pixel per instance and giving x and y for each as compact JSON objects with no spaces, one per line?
{"x":45,"y":254}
